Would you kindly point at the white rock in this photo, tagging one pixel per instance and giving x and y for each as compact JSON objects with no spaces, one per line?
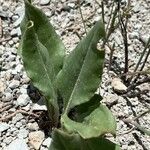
{"x":23,"y":100}
{"x":18,"y":21}
{"x":39,"y":107}
{"x":118,"y":86}
{"x":26,"y":108}
{"x":8,"y":96}
{"x":17,"y":118}
{"x":36,"y":138}
{"x":19,"y":68}
{"x":14,"y":84}
{"x":33,"y":126}
{"x":47,"y":142}
{"x":72,"y":5}
{"x":3,"y":126}
{"x":18,"y":144}
{"x":23,"y":133}
{"x":13,"y":32}
{"x":44,"y":2}
{"x":110,"y":99}
{"x":2,"y":86}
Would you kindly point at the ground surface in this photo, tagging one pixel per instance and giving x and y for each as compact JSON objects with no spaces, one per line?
{"x":18,"y":124}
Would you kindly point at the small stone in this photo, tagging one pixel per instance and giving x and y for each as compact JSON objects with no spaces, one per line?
{"x":18,"y":124}
{"x":8,"y":97}
{"x":2,"y":87}
{"x":17,"y":22}
{"x":15,"y":17}
{"x":137,"y":8}
{"x":8,"y":140}
{"x":47,"y":142}
{"x":118,"y":86}
{"x":33,"y":126}
{"x":11,"y":42}
{"x":43,"y":148}
{"x":44,"y":2}
{"x":19,"y":68}
{"x":39,"y":107}
{"x":3,"y":126}
{"x":118,"y":40}
{"x":17,"y":118}
{"x":13,"y":32}
{"x":14,"y":84}
{"x":18,"y":144}
{"x":72,"y":5}
{"x":26,"y":108}
{"x":23,"y":100}
{"x":36,"y":138}
{"x":134,"y":35}
{"x":23,"y":133}
{"x":111,"y":99}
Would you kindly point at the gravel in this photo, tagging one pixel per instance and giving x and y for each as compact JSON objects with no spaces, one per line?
{"x":23,"y":100}
{"x":3,"y":127}
{"x":18,"y":144}
{"x":24,"y":130}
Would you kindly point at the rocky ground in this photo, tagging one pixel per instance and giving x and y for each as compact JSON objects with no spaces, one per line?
{"x":19,"y":117}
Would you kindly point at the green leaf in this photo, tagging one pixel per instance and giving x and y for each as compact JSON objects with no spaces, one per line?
{"x":46,"y":34}
{"x":39,"y":68}
{"x":78,"y":81}
{"x":99,"y":122}
{"x":79,"y":112}
{"x":63,"y":141}
{"x":82,"y":70}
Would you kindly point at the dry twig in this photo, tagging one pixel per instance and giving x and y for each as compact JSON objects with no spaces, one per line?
{"x":18,"y":111}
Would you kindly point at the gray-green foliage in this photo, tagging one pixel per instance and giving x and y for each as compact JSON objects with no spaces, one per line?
{"x":74,"y":78}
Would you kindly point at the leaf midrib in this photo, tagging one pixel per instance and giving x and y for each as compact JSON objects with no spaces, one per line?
{"x":77,"y":81}
{"x":44,"y":65}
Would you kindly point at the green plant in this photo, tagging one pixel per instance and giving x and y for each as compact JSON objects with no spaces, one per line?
{"x":78,"y":120}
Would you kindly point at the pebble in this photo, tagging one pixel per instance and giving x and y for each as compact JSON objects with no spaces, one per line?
{"x":36,"y":138}
{"x":33,"y":126}
{"x":18,"y":21}
{"x":23,"y":100}
{"x":2,"y":86}
{"x":118,"y":86}
{"x":136,"y":8}
{"x":13,"y":32}
{"x":18,"y":144}
{"x":19,"y":68}
{"x":8,"y":97}
{"x":17,"y":118}
{"x":110,"y":99}
{"x":18,"y":124}
{"x":23,"y":133}
{"x":14,"y":84}
{"x":4,"y":126}
{"x":27,"y":108}
{"x":39,"y":107}
{"x":134,"y":35}
{"x":44,"y":2}
{"x":8,"y":140}
{"x":47,"y":142}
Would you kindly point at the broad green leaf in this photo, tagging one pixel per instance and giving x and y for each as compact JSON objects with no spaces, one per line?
{"x":80,"y":76}
{"x":99,"y":122}
{"x":63,"y":141}
{"x":79,"y":112}
{"x":46,"y":34}
{"x":39,"y":68}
